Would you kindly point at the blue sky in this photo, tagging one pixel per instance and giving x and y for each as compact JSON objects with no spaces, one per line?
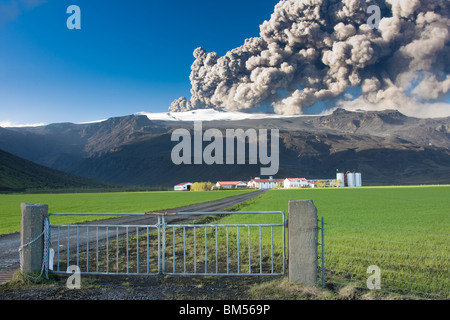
{"x":129,"y":56}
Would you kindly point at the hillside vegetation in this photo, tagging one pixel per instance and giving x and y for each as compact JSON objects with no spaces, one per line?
{"x":17,"y":174}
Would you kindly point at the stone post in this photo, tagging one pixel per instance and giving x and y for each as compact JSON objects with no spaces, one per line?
{"x":303,"y":238}
{"x":31,"y":226}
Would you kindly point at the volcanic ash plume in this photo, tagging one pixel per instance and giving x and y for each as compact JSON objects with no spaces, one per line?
{"x":318,"y":50}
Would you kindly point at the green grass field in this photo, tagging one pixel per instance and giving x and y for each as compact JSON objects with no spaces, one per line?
{"x":123,"y":202}
{"x":403,"y":230}
{"x":417,"y":208}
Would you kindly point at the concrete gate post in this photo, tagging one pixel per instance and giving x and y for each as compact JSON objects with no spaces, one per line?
{"x":31,"y":226}
{"x":303,"y":238}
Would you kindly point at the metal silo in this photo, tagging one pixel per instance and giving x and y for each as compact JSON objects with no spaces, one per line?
{"x":341,"y":177}
{"x":351,"y":179}
{"x":358,"y":179}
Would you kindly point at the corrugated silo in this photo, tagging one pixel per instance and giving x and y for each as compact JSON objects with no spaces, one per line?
{"x":358,"y":179}
{"x":340,"y":177}
{"x":351,"y":182}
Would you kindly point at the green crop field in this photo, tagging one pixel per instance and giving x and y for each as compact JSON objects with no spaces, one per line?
{"x":405,"y":231}
{"x":419,"y":208}
{"x":123,"y":202}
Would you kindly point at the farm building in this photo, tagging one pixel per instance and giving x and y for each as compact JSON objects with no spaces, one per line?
{"x":295,"y":183}
{"x":270,"y":183}
{"x":349,"y":179}
{"x":232,"y":184}
{"x":185,"y":186}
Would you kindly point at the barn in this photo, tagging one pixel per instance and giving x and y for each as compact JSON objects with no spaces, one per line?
{"x":231,"y":184}
{"x":185,"y":186}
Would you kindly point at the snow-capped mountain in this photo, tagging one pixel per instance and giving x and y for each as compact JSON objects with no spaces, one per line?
{"x":208,"y":115}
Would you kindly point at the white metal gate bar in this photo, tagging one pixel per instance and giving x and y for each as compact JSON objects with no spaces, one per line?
{"x":219,"y":264}
{"x":114,"y":249}
{"x":100,"y":246}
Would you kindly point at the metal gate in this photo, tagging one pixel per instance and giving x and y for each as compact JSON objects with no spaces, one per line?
{"x":199,"y":248}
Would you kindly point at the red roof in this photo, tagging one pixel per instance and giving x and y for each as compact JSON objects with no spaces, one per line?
{"x":294,"y":179}
{"x":268,"y":180}
{"x":182,"y":184}
{"x":230,"y":183}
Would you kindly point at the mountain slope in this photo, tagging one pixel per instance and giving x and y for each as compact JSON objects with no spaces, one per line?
{"x":386,"y":146}
{"x":149,"y":162}
{"x":17,"y":174}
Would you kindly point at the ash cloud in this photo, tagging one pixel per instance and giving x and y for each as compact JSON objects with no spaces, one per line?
{"x":317,"y":50}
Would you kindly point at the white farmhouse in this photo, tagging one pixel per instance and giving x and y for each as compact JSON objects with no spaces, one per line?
{"x":270,"y":183}
{"x":295,"y":183}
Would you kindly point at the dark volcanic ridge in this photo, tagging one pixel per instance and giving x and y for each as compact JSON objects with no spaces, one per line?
{"x":17,"y":174}
{"x":387,"y":147}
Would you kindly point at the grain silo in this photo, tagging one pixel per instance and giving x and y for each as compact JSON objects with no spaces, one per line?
{"x":340,"y":178}
{"x":358,"y":179}
{"x":351,"y":180}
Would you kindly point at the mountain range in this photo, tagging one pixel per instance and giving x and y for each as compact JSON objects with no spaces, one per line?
{"x":387,"y":147}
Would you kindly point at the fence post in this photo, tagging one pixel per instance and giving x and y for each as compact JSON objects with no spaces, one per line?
{"x":302,"y":242}
{"x":31,"y":227}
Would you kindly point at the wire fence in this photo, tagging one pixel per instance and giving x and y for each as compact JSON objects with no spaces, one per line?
{"x":393,"y":261}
